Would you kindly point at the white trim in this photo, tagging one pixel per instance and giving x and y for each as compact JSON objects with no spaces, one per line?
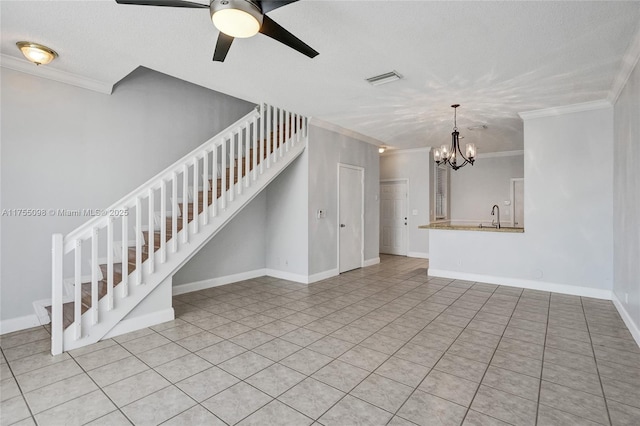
{"x":289,"y":276}
{"x":313,"y":121}
{"x":371,"y":262}
{"x":322,"y":275}
{"x":20,"y":323}
{"x":362,"y":170}
{"x":595,"y":293}
{"x":60,"y":76}
{"x":215,"y":282}
{"x":629,"y":62}
{"x":632,"y":326}
{"x":407,"y":151}
{"x":500,"y":154}
{"x":136,"y":323}
{"x":418,"y":254}
{"x":567,"y":109}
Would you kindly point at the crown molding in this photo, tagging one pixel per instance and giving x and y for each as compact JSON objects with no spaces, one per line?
{"x":501,"y":154}
{"x":49,"y":73}
{"x":344,"y":131}
{"x":406,"y":151}
{"x":629,"y":62}
{"x":568,"y":109}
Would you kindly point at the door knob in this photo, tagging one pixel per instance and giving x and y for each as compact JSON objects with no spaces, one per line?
{"x":342,"y":225}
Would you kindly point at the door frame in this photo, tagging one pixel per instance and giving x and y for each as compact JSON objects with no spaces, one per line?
{"x":512,"y":191}
{"x":406,"y":182}
{"x":362,"y":170}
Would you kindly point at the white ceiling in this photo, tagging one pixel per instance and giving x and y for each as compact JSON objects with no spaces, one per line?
{"x":494,"y":58}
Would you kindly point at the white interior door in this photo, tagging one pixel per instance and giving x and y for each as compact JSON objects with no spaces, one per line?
{"x":393,"y":218}
{"x":518,"y":202}
{"x":350,"y":217}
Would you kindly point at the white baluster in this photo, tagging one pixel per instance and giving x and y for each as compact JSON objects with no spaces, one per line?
{"x":247,"y":153}
{"x":254,"y":140}
{"x":223,"y":175}
{"x":288,"y":133}
{"x":138,"y":240}
{"x":263,"y":135}
{"x":174,"y":212}
{"x":196,"y":196}
{"x":281,"y":132}
{"x":151,"y":234}
{"x":163,"y":221}
{"x":269,"y":137}
{"x":125,"y":255}
{"x":205,"y":188}
{"x":94,"y":275}
{"x":232,"y":167}
{"x":240,"y":163}
{"x":57,"y":331}
{"x":110,"y":263}
{"x":214,"y":181}
{"x":185,"y":204}
{"x":77,"y":299}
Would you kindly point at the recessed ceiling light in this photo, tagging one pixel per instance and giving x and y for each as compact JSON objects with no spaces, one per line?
{"x":384,"y":78}
{"x":37,"y":53}
{"x":382,"y":149}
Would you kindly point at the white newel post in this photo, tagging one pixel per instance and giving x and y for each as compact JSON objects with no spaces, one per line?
{"x":57,"y":332}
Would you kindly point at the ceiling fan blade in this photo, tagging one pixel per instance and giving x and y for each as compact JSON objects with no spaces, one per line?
{"x":275,"y":31}
{"x":167,"y":3}
{"x":222,"y":47}
{"x":269,"y":5}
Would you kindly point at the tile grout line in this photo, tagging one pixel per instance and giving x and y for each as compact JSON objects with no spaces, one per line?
{"x":544,"y":351}
{"x":595,"y":360}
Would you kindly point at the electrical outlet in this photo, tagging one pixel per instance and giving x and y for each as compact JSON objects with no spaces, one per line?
{"x":414,"y":212}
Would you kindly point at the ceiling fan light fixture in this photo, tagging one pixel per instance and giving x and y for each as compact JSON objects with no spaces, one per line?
{"x":37,"y":53}
{"x":236,"y":18}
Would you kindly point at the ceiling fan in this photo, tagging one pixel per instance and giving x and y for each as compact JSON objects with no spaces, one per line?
{"x":238,"y":19}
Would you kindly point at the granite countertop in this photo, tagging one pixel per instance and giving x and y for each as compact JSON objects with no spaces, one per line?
{"x":449,"y":226}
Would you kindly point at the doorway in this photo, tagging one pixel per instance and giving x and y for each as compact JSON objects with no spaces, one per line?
{"x":350,"y":217}
{"x":393,"y":217}
{"x":517,"y":202}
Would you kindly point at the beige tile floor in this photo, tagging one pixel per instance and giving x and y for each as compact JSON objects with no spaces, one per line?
{"x":380,"y":345}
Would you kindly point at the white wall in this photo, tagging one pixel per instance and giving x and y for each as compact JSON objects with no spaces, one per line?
{"x":475,"y":189}
{"x":626,"y":200}
{"x":326,"y":149}
{"x":568,"y":240}
{"x":414,"y":165}
{"x":67,"y":147}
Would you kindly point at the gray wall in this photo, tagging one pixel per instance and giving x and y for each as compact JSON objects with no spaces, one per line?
{"x":67,"y":147}
{"x":326,"y":149}
{"x":626,"y":198}
{"x":287,"y":244}
{"x":238,"y":247}
{"x":415,"y":166}
{"x":475,"y":189}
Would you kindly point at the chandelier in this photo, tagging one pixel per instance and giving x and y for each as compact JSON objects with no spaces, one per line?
{"x":449,"y":155}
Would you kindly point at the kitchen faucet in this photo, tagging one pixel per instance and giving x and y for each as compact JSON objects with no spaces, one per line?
{"x":493,"y":212}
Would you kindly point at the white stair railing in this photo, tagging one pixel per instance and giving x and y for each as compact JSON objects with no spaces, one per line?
{"x":243,"y":153}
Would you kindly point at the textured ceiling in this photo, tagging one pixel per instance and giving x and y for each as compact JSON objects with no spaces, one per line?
{"x":494,"y":58}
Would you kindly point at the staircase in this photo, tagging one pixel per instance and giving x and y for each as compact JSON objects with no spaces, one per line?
{"x":158,"y":227}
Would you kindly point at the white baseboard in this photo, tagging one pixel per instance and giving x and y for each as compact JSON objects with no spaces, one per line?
{"x":215,"y":282}
{"x":631,"y":325}
{"x":142,"y":321}
{"x":529,"y":284}
{"x":290,"y":276}
{"x":20,"y":323}
{"x":322,"y":275}
{"x":371,"y":262}
{"x":418,"y":254}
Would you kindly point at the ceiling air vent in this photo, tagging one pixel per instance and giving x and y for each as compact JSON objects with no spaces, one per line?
{"x":384,"y":78}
